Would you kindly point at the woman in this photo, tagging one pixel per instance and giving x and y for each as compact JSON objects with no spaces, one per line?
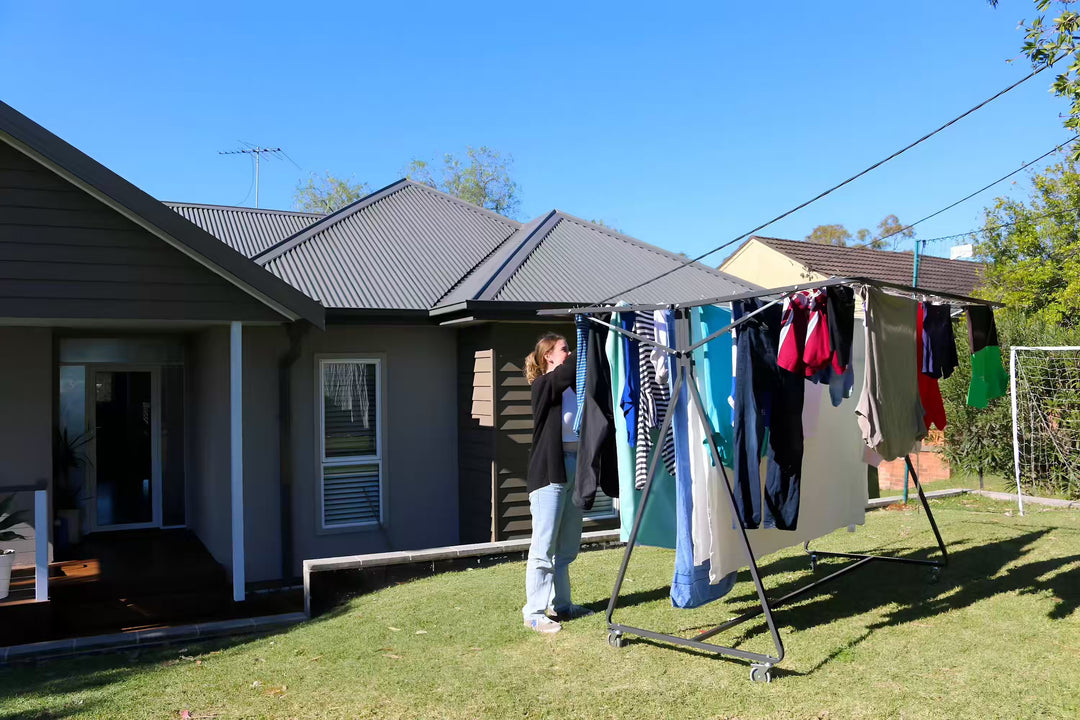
{"x":556,"y":521}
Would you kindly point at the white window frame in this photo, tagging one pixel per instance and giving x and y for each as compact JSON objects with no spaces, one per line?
{"x":378,"y":458}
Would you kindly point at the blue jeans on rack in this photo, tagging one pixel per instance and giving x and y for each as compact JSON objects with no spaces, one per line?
{"x":556,"y":539}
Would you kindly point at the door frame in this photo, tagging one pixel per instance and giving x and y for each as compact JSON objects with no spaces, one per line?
{"x":155,"y":442}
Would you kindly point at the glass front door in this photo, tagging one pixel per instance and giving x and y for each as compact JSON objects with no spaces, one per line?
{"x":125,"y":445}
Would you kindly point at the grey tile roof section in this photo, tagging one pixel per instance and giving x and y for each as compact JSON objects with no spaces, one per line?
{"x":249,"y":231}
{"x":562,"y":258}
{"x":960,"y":277}
{"x":27,"y":136}
{"x":402,"y":247}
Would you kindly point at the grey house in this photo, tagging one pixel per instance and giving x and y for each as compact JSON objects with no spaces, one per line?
{"x":283,"y":386}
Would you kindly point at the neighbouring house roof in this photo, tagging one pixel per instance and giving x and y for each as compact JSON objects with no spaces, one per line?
{"x":106,"y":186}
{"x":249,"y":231}
{"x":400,"y":248}
{"x":561,"y":258}
{"x":960,"y":277}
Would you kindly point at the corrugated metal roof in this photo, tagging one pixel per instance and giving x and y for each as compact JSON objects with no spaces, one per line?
{"x":561,"y":258}
{"x":402,"y":247}
{"x":960,"y":277}
{"x":249,"y":231}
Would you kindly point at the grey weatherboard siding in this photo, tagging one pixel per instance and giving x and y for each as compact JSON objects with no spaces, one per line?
{"x":249,"y":231}
{"x":64,"y":254}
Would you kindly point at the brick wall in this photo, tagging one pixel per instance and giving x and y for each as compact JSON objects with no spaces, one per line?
{"x":929,"y":463}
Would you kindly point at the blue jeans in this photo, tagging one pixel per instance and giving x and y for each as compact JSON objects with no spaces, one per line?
{"x":556,"y":539}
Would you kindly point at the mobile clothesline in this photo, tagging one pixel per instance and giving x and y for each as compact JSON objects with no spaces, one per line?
{"x":685,"y":380}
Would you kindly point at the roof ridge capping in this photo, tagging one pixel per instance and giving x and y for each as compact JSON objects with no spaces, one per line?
{"x":284,"y":246}
{"x":696,"y":264}
{"x":241,"y":208}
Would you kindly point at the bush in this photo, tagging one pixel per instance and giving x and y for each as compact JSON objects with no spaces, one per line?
{"x":981,"y":439}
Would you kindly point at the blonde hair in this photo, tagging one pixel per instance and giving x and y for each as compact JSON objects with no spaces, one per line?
{"x":535,"y":362}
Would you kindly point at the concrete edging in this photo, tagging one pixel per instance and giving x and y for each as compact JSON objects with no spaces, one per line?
{"x":52,"y":649}
{"x":1011,"y":497}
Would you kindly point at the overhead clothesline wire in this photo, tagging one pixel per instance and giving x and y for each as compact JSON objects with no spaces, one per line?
{"x":832,"y":189}
{"x":964,"y":199}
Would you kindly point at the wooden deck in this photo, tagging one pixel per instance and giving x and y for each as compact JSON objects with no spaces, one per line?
{"x":127,"y":581}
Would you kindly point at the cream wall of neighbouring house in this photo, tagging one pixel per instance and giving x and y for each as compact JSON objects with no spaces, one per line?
{"x":758,"y":263}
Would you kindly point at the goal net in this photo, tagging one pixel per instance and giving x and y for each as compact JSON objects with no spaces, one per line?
{"x":1046,"y":420}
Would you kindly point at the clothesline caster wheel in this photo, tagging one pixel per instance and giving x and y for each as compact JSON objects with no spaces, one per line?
{"x":616,"y":639}
{"x":813,"y":562}
{"x":934,"y":575}
{"x":760,"y":673}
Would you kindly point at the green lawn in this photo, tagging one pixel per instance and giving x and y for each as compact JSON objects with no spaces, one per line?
{"x":997,"y":637}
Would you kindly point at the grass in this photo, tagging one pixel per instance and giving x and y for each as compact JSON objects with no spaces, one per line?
{"x":997,"y":637}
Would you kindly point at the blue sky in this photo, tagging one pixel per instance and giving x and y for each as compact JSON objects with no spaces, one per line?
{"x":685,"y":126}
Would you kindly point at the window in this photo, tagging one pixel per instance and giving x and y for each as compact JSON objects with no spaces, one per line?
{"x":603,"y":507}
{"x":350,"y":422}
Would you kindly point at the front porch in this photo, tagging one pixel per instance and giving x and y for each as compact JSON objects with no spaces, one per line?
{"x":124,"y":582}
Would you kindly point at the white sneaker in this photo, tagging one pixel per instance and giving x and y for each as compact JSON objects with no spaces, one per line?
{"x":543,"y":624}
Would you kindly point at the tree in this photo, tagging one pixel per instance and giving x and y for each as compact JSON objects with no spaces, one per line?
{"x":482,"y":178}
{"x":891,"y":232}
{"x":327,"y":193}
{"x":1033,"y":248}
{"x":891,"y":229}
{"x":829,"y":235}
{"x":1047,"y":43}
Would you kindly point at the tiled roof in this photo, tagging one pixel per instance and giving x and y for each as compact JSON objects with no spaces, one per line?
{"x":249,"y":231}
{"x":960,"y":277}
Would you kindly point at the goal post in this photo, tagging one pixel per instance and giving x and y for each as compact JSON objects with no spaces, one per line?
{"x":1044,"y":384}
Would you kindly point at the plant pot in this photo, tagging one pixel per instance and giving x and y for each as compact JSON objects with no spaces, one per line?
{"x":72,"y":520}
{"x":7,"y":558}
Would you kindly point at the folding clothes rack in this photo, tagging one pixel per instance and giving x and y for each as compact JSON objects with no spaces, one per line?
{"x":685,"y":377}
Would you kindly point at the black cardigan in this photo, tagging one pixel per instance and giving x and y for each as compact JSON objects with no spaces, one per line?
{"x":546,"y":464}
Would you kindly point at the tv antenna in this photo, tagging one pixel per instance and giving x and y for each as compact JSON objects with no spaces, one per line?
{"x":257,"y":152}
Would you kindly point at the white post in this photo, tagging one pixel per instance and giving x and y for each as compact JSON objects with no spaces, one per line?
{"x":236,"y":455}
{"x":41,"y":545}
{"x":1015,"y":428}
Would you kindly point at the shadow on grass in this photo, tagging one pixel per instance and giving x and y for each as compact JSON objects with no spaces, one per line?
{"x":975,"y":572}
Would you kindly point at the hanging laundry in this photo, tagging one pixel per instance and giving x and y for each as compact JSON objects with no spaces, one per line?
{"x":630,"y":394}
{"x":889,"y":411}
{"x":817,"y":349}
{"x":653,"y":402}
{"x":597,"y":464}
{"x":690,"y":585}
{"x":784,"y":475}
{"x":714,"y":377}
{"x":988,"y":377}
{"x":757,"y":381}
{"x":583,"y":327}
{"x":938,"y":340}
{"x":657,"y":527}
{"x":929,"y":392}
{"x":793,"y":322}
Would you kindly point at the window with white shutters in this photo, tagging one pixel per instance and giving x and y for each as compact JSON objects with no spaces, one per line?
{"x":351,"y":439}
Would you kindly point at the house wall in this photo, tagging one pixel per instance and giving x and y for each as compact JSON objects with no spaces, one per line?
{"x":263,"y":347}
{"x":419,"y":436}
{"x":64,"y":254}
{"x":758,"y":263}
{"x":26,"y":424}
{"x":208,"y":494}
{"x":476,"y":432}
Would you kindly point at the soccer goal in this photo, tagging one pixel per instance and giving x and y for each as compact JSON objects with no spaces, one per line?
{"x":1045,"y":385}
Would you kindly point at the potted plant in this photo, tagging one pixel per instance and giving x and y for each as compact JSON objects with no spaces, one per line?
{"x":68,"y":455}
{"x":8,"y":520}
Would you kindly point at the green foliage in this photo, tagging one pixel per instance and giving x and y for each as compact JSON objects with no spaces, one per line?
{"x":482,"y":178}
{"x":1047,"y":42}
{"x":829,"y":235}
{"x":9,"y":519}
{"x":327,"y":193}
{"x":891,"y":232}
{"x":982,"y":438}
{"x":1033,"y":248}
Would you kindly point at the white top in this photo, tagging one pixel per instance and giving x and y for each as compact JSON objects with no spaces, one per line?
{"x":569,"y":410}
